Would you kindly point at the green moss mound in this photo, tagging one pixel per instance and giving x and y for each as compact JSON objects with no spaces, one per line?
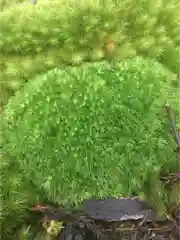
{"x":36,"y":38}
{"x":97,"y":130}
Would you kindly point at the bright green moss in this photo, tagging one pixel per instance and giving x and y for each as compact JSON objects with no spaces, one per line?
{"x":5,"y":4}
{"x":35,"y":38}
{"x":97,"y":130}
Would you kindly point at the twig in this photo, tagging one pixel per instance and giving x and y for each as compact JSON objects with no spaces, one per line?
{"x":173,"y":221}
{"x":172,"y":178}
{"x":136,"y":229}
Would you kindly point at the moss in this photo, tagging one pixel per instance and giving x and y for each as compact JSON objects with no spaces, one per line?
{"x":35,"y":38}
{"x":5,"y":4}
{"x":98,"y":130}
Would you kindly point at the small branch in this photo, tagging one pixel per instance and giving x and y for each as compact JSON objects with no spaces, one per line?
{"x":171,"y":178}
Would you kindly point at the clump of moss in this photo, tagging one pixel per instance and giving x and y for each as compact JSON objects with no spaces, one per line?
{"x":36,"y":38}
{"x":97,"y":130}
{"x":17,"y":195}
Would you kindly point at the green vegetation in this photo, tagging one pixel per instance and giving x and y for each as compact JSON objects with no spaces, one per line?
{"x":90,"y":80}
{"x":96,"y":130}
{"x":5,"y":4}
{"x":35,"y":38}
